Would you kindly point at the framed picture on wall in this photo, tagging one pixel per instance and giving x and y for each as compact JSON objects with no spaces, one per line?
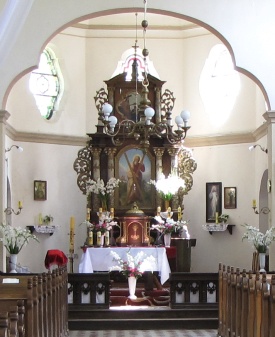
{"x":230,"y":197}
{"x":40,"y":190}
{"x":213,"y":201}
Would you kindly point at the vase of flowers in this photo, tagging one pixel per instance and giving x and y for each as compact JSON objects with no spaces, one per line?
{"x":13,"y":263}
{"x":105,"y":225}
{"x":168,"y":187}
{"x":132,"y":267}
{"x":14,"y":239}
{"x":260,"y":241}
{"x":181,"y":229}
{"x":103,"y":191}
{"x":166,"y":227}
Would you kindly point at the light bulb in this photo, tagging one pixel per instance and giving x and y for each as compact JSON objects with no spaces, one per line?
{"x":107,"y":109}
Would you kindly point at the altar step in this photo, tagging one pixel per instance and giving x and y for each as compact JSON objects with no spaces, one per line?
{"x":119,"y":297}
{"x":150,"y":310}
{"x":144,"y":318}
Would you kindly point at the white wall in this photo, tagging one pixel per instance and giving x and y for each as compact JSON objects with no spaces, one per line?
{"x":54,"y":164}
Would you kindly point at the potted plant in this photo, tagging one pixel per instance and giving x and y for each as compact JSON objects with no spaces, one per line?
{"x":47,"y":219}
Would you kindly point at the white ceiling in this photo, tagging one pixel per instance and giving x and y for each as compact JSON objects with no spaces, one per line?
{"x":120,"y":24}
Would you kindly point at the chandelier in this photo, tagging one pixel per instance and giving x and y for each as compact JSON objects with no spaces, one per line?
{"x":144,"y":128}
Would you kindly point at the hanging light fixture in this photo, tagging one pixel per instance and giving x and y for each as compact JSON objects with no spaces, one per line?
{"x":143,"y":128}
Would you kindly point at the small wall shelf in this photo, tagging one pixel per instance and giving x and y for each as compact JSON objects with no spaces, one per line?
{"x":43,"y":229}
{"x":218,"y":228}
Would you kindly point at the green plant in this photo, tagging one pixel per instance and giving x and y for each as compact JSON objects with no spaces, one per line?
{"x":223,"y":218}
{"x":47,"y":219}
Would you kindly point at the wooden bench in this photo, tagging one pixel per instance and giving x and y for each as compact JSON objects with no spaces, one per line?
{"x":246,"y":303}
{"x":44,"y":299}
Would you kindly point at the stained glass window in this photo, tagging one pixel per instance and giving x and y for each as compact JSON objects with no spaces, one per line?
{"x":45,"y":84}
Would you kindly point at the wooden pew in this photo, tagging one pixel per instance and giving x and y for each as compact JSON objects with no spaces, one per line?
{"x":246,"y":304}
{"x":45,"y":310}
{"x":9,"y":321}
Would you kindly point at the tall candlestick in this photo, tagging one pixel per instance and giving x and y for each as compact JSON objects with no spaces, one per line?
{"x":112,"y":212}
{"x":169,"y":212}
{"x":72,"y":224}
{"x":217,"y":217}
{"x":88,"y":214}
{"x":179,"y":213}
{"x":100,"y":213}
{"x":158,"y":210}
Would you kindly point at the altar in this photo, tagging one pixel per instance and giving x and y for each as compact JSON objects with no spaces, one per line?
{"x":101,"y":259}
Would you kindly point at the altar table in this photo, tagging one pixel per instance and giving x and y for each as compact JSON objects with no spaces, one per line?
{"x":100,"y":259}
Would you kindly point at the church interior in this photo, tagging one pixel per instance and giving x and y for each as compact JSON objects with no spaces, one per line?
{"x":208,"y":63}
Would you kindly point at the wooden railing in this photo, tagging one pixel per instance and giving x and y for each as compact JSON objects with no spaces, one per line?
{"x":42,"y":304}
{"x":247,"y":303}
{"x":88,"y":291}
{"x":193,"y":289}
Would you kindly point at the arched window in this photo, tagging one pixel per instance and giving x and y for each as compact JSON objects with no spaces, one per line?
{"x":46,"y":84}
{"x":219,"y":85}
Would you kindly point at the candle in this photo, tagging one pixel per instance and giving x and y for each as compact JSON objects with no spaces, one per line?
{"x":100,"y":213}
{"x":20,"y":204}
{"x":107,"y":238}
{"x":217,"y":217}
{"x":40,"y":219}
{"x":112,"y":212}
{"x":158,"y":210}
{"x":169,"y":212}
{"x":72,"y":224}
{"x":179,"y":213}
{"x":91,"y":237}
{"x":98,"y":238}
{"x":254,"y":203}
{"x":88,"y":214}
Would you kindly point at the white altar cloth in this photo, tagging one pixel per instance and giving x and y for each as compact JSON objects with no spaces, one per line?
{"x":100,"y":259}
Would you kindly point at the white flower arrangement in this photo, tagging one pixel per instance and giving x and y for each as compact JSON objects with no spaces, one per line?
{"x":103,"y":191}
{"x":260,"y":241}
{"x":182,"y":229}
{"x":164,"y":226}
{"x":98,"y":186}
{"x":167,"y":187}
{"x":133,"y":265}
{"x":15,"y":238}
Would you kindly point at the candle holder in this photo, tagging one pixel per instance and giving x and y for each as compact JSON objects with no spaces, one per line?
{"x":71,"y":256}
{"x":264,"y":210}
{"x":10,"y":210}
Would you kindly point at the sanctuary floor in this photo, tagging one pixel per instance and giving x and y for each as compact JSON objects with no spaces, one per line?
{"x":145,"y":333}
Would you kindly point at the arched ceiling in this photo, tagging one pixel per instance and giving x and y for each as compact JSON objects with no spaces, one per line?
{"x":128,"y":23}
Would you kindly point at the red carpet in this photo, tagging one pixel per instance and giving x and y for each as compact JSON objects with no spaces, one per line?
{"x":119,"y":297}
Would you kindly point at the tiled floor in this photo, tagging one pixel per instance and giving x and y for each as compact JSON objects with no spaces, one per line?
{"x":145,"y":333}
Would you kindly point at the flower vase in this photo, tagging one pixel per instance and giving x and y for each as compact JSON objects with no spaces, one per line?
{"x":104,"y":204}
{"x":262,"y":262}
{"x":13,"y":263}
{"x":132,"y":282}
{"x":102,"y":240}
{"x":166,"y":204}
{"x":167,"y":239}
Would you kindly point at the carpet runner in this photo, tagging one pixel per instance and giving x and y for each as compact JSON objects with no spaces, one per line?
{"x":119,"y":297}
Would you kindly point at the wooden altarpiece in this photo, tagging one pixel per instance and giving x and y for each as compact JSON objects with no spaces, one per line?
{"x":102,"y":159}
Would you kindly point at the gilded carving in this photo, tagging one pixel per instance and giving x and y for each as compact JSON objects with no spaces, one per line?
{"x":186,"y":167}
{"x":82,"y":166}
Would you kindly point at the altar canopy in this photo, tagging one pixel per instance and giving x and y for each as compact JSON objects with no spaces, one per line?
{"x":101,"y":259}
